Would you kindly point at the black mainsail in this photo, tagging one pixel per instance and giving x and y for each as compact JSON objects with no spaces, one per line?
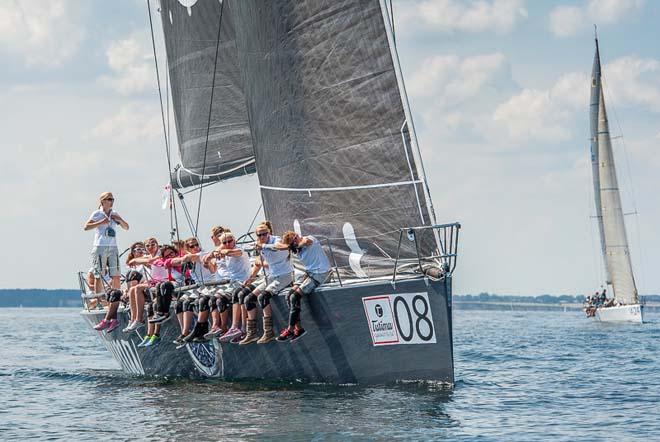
{"x":192,"y":35}
{"x":331,"y":137}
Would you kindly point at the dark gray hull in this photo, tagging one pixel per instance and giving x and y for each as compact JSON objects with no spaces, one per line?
{"x":368,"y":333}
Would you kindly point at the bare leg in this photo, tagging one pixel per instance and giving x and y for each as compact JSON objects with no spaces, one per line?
{"x":139,"y":302}
{"x":187,"y":322}
{"x":236,"y":314}
{"x":115,"y":282}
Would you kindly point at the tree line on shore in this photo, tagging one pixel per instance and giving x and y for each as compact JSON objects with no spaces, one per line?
{"x":71,"y":298}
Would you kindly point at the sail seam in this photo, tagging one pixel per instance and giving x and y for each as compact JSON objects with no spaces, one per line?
{"x":335,"y":189}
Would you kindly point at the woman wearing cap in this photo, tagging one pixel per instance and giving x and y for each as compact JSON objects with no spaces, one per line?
{"x":105,"y":256}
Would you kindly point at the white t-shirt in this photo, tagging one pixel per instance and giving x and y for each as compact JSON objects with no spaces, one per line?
{"x":238,"y":267}
{"x":278,"y":262}
{"x":106,"y":234}
{"x":313,"y":257}
{"x":200,"y":273}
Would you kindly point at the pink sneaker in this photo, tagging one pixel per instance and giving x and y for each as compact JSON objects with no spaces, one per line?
{"x":113,"y":324}
{"x":102,"y":325}
{"x":231,"y":334}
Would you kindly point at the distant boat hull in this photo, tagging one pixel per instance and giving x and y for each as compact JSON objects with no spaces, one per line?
{"x":367,"y":333}
{"x":624,"y":313}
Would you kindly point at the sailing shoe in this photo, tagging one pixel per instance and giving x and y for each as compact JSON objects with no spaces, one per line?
{"x":128,"y":328}
{"x":160,"y":318}
{"x":135,"y":325}
{"x":215,"y":331}
{"x":230,"y":334}
{"x":251,"y":335}
{"x":298,"y":333}
{"x":112,"y":325}
{"x":268,"y":335}
{"x":102,"y":325}
{"x":153,"y":341}
{"x":144,"y":341}
{"x":179,"y":339}
{"x":285,"y":335}
{"x":238,"y":339}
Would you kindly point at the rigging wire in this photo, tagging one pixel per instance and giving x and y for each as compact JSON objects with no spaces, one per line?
{"x":208,"y":126}
{"x":162,"y":113}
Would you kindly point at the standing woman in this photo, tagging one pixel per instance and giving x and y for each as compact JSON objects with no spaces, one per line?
{"x":105,"y":256}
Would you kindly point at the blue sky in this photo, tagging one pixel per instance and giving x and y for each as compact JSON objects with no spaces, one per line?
{"x":499,"y":96}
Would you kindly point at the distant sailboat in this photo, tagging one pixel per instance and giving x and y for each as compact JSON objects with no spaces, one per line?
{"x":625,"y":305}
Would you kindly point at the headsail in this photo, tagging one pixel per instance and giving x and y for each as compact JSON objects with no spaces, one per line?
{"x":191,"y":38}
{"x":614,"y":242}
{"x":331,"y":139}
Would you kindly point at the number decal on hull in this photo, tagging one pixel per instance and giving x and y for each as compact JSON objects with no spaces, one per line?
{"x":399,"y":319}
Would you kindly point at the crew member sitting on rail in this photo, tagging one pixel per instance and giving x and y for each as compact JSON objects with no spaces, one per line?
{"x":317,"y":268}
{"x":203,"y":272}
{"x":137,"y":274}
{"x":165,"y":271}
{"x":278,"y":270}
{"x":237,"y":263}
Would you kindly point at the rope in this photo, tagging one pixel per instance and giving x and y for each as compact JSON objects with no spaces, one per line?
{"x":208,"y":126}
{"x":165,"y":126}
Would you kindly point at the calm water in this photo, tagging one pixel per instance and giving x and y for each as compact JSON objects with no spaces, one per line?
{"x":522,"y":376}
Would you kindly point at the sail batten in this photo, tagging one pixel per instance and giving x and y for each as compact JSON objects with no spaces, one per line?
{"x":614,"y":242}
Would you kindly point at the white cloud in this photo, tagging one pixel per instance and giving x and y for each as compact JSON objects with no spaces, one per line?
{"x":41,"y":32}
{"x":532,"y":114}
{"x":132,"y":65}
{"x":134,"y":123}
{"x":635,"y":81}
{"x":544,"y":115}
{"x":474,"y":16}
{"x":452,"y":79}
{"x":566,"y":21}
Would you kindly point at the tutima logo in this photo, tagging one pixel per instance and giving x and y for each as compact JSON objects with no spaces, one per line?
{"x":381,"y":320}
{"x":379,"y":310}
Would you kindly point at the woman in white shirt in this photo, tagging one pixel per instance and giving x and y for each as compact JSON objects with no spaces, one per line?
{"x":278,"y":270}
{"x":105,"y":256}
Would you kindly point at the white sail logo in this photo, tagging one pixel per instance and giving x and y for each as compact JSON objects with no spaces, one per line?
{"x":356,"y":252}
{"x":188,"y":4}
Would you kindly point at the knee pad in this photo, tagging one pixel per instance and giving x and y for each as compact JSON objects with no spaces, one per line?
{"x":294,"y":300}
{"x":222,"y":304}
{"x":250,"y":301}
{"x":203,"y":303}
{"x":243,"y":293}
{"x":114,"y":295}
{"x":189,"y":305}
{"x":264,"y":299}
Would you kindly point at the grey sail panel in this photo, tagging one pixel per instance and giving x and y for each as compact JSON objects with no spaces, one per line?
{"x":594,"y":109}
{"x":191,"y":38}
{"x":331,"y":142}
{"x":617,"y":253}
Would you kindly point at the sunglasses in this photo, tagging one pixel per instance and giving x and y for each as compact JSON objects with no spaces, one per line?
{"x":229,"y":241}
{"x":193,"y":245}
{"x":262,"y":234}
{"x":139,"y":250}
{"x":108,"y":199}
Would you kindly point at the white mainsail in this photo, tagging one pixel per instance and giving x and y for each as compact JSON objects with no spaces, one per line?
{"x":614,"y":242}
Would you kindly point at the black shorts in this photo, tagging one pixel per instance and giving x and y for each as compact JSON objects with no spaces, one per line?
{"x":134,"y":275}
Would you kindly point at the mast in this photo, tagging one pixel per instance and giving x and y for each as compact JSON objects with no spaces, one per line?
{"x":614,"y":242}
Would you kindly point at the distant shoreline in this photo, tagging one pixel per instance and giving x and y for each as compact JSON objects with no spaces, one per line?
{"x":482,"y":301}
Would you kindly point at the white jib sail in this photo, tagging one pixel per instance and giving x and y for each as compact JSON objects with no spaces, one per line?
{"x":617,"y":253}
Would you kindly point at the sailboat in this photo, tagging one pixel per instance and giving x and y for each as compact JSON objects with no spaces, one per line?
{"x":309,"y":95}
{"x":625,"y":305}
